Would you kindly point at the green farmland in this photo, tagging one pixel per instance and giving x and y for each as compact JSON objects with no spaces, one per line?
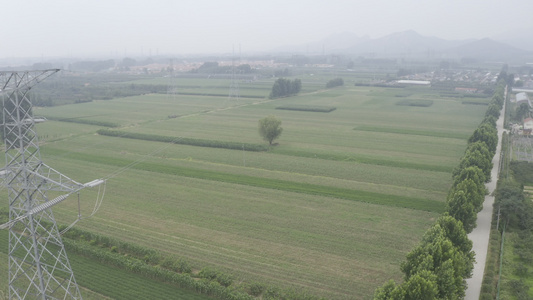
{"x":330,"y":211}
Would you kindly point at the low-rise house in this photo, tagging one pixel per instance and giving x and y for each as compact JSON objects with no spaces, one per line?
{"x":528,"y":123}
{"x":466,"y":90}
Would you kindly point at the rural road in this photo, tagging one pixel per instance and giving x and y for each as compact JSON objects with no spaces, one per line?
{"x":480,"y":235}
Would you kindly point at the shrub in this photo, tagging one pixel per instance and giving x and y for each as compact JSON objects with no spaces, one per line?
{"x":183,"y":266}
{"x":520,"y":270}
{"x":486,"y":296}
{"x":224,"y":279}
{"x":207,"y":273}
{"x":256,"y":289}
{"x":486,"y":288}
{"x":519,"y":288}
{"x":525,"y":255}
{"x":272,"y":293}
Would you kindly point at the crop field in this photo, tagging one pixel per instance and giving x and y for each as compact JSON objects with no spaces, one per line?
{"x":98,"y":281}
{"x":331,"y":210}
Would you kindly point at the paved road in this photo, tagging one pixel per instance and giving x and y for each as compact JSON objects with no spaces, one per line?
{"x":480,"y":234}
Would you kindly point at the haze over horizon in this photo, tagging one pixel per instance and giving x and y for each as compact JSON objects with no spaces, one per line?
{"x":62,"y":28}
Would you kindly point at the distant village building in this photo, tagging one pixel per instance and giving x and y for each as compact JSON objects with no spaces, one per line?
{"x":416,"y":82}
{"x":466,"y":90}
{"x":528,"y":124}
{"x":523,"y":98}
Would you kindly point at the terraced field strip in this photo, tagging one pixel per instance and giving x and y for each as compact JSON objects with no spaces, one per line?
{"x":432,"y":133}
{"x":261,"y":147}
{"x":294,"y":237}
{"x":366,"y":160}
{"x":312,"y":242}
{"x":308,"y":169}
{"x":371,"y":178}
{"x":296,"y":187}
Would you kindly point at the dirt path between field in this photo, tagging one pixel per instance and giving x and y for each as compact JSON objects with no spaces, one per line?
{"x":480,"y":235}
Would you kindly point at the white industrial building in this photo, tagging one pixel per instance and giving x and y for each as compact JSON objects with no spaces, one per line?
{"x":523,"y":98}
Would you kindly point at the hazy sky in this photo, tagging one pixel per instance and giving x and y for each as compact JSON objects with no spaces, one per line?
{"x":49,"y":28}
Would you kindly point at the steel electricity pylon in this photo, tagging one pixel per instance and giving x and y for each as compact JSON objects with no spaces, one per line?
{"x":38,"y":263}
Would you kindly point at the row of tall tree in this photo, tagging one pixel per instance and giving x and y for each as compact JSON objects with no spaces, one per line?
{"x":468,"y":191}
{"x":439,"y":266}
{"x":285,"y":87}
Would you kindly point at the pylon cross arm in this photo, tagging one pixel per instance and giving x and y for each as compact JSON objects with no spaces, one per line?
{"x":10,"y":80}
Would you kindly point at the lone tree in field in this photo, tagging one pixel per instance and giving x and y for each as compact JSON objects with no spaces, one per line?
{"x":270,"y":128}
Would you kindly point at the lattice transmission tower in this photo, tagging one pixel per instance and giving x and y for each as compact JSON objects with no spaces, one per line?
{"x":38,"y":263}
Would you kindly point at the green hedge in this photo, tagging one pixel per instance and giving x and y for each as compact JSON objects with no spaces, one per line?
{"x":311,"y":108}
{"x":85,"y":121}
{"x":419,"y":103}
{"x":184,"y":141}
{"x":475,"y":103}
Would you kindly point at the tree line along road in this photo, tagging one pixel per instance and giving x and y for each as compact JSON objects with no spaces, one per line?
{"x":480,"y":235}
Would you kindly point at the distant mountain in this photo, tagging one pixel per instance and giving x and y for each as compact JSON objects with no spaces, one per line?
{"x":342,"y":41}
{"x":519,"y":38}
{"x":409,"y":44}
{"x":405,"y":43}
{"x":332,"y":44}
{"x":487,"y":49}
